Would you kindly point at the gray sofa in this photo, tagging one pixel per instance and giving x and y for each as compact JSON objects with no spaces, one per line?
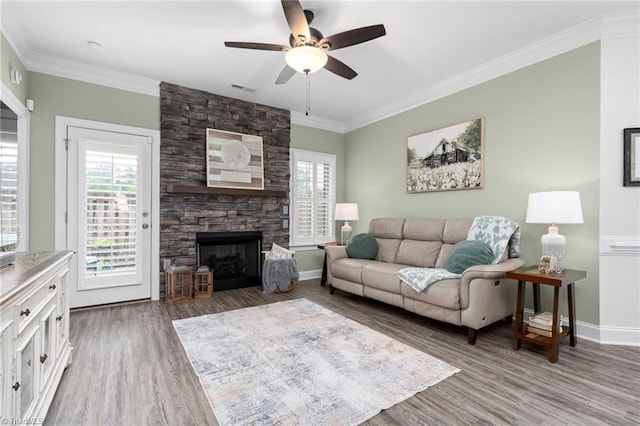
{"x":480,"y":297}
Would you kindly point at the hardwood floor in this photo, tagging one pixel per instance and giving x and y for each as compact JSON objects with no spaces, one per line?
{"x":129,"y":368}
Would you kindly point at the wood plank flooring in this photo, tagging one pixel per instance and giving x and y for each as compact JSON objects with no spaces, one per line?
{"x":129,"y":368}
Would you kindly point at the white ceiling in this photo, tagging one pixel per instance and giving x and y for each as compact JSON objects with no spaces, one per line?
{"x":431,"y":48}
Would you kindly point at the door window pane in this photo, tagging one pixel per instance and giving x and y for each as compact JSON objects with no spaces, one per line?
{"x":110,"y":215}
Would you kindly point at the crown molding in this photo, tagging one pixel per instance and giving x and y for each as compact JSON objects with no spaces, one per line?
{"x":614,"y":26}
{"x":92,"y":74}
{"x":75,"y":70}
{"x":617,"y":25}
{"x":607,"y":26}
{"x":15,"y":41}
{"x":317,"y":122}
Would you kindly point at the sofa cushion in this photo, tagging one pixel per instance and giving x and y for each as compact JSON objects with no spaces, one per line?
{"x":387,"y":249}
{"x":362,"y":246}
{"x":423,"y":229}
{"x":468,"y":253}
{"x":349,"y":269}
{"x":384,"y":227}
{"x":456,"y":230}
{"x":444,"y":293}
{"x":382,"y":276}
{"x":418,"y":253}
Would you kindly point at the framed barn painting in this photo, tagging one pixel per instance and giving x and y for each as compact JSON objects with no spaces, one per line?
{"x":234,"y":160}
{"x":446,"y":159}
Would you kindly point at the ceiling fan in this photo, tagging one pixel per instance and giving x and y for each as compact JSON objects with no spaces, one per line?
{"x":307,"y":48}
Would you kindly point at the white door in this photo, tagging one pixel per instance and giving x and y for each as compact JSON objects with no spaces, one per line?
{"x":109,"y":216}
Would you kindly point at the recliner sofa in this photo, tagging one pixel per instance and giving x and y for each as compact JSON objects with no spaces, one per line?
{"x":481,"y":296}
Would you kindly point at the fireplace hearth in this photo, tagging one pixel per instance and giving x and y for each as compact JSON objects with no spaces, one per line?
{"x":233,"y":257}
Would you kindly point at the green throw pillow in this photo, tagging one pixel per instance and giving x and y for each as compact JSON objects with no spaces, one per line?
{"x":362,"y":246}
{"x":468,"y":253}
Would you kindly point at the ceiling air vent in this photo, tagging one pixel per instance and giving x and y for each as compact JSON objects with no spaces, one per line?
{"x":243,"y":88}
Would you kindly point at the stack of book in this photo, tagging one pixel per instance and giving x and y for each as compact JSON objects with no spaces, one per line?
{"x":541,"y":324}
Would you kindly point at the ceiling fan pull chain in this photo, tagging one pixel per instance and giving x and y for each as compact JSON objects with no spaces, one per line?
{"x":308,"y":94}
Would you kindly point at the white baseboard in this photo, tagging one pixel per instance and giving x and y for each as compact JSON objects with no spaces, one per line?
{"x":310,"y":275}
{"x":620,"y":336}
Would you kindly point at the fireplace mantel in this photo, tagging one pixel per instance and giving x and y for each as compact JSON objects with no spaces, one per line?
{"x":196,"y":189}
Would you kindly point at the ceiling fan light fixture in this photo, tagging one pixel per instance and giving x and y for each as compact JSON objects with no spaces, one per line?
{"x":306,"y":59}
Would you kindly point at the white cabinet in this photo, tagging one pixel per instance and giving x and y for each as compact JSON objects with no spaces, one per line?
{"x":34,"y":334}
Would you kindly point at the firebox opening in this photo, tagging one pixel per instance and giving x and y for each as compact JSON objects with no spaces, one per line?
{"x":233,"y":257}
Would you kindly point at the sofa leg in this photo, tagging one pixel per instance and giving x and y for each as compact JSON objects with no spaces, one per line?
{"x":472,"y":335}
{"x":509,"y":319}
{"x":332,"y":289}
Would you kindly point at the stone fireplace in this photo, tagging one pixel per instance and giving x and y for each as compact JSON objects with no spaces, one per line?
{"x":187,"y":206}
{"x":233,"y":257}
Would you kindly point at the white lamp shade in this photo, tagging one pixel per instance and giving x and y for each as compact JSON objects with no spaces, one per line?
{"x":306,"y":59}
{"x":346,"y":211}
{"x":554,"y":207}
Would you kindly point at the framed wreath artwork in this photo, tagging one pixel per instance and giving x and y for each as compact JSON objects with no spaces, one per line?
{"x":234,"y":160}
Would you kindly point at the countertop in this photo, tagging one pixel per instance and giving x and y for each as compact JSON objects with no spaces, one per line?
{"x":28,"y":267}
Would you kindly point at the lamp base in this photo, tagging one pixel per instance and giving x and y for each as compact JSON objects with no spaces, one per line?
{"x":345,"y":233}
{"x":553,"y":245}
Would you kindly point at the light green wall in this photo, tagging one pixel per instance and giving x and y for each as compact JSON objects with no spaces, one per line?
{"x":9,"y":60}
{"x":55,"y":96}
{"x":321,"y":141}
{"x":541,"y":133}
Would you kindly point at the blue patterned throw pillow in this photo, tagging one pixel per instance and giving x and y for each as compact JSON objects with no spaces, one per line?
{"x":468,"y":253}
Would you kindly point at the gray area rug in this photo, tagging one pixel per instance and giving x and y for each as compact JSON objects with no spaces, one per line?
{"x":297,"y":363}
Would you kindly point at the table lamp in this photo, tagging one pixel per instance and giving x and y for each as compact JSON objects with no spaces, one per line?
{"x":346,"y":212}
{"x":554,"y":207}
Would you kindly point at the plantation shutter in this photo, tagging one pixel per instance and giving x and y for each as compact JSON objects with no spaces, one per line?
{"x":110,"y":192}
{"x":313,"y":197}
{"x":8,"y":188}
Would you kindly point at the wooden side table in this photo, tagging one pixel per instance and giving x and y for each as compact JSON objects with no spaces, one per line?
{"x":323,"y":278}
{"x":536,"y":277}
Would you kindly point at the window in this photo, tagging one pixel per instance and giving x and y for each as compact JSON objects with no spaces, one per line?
{"x":8,"y":178}
{"x":313,"y":183}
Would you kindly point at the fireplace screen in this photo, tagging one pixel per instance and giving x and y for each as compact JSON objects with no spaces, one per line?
{"x":233,"y":257}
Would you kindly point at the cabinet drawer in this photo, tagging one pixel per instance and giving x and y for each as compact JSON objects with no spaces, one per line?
{"x":27,"y":308}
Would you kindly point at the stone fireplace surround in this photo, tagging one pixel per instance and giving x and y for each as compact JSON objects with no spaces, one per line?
{"x":186,"y":206}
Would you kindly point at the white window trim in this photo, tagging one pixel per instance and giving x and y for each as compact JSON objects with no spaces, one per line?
{"x":316,"y":157}
{"x":24,"y":141}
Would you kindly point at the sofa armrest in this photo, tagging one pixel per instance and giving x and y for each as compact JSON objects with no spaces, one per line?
{"x":485,"y":275}
{"x":492,"y":271}
{"x":334,"y":253}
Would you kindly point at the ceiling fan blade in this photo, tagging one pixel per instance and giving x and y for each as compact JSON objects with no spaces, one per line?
{"x":286,"y":73}
{"x":296,"y":19}
{"x":351,"y":37}
{"x":257,"y":46}
{"x":339,"y":68}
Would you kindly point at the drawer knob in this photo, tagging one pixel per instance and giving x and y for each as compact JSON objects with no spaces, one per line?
{"x":16,"y":386}
{"x":59,"y":318}
{"x":26,"y":312}
{"x":52,"y":287}
{"x":43,"y":358}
